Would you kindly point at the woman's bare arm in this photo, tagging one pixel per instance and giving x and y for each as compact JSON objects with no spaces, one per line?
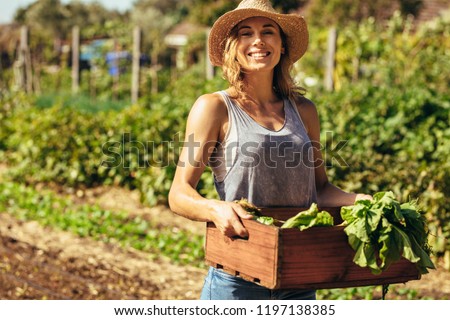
{"x":328,"y":195}
{"x":203,"y":130}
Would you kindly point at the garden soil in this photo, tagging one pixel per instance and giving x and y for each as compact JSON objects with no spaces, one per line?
{"x":43,"y":263}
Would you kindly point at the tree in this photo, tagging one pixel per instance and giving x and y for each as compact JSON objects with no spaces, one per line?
{"x":83,"y":14}
{"x":48,"y":24}
{"x":343,"y":12}
{"x":207,"y":11}
{"x":47,"y":16}
{"x":287,"y":6}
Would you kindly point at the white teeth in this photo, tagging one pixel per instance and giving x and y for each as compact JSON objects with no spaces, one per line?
{"x":259,"y":55}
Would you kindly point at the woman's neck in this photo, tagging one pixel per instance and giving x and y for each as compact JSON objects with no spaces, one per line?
{"x":259,"y":88}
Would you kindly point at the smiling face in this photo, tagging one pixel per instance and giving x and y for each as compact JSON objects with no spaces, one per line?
{"x":259,"y":44}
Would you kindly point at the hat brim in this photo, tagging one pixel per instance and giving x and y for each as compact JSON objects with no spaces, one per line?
{"x":293,"y":26}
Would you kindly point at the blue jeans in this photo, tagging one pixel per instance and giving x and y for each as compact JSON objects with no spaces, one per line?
{"x":220,"y":285}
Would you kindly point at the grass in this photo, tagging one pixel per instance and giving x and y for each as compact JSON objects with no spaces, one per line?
{"x":368,"y":293}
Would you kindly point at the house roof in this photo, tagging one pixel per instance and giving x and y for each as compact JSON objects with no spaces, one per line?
{"x":179,"y":35}
{"x":429,"y":10}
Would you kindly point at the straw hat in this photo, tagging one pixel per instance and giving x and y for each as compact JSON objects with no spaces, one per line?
{"x":293,"y":26}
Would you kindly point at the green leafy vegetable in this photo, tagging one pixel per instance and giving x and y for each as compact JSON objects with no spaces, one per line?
{"x":381,"y":231}
{"x":249,"y":207}
{"x":256,"y":212}
{"x":309,"y":218}
{"x":266,"y":220}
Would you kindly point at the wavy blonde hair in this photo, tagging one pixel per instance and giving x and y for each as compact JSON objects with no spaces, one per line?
{"x":283,"y":83}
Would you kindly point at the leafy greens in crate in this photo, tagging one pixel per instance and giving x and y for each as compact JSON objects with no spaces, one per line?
{"x":383,"y":230}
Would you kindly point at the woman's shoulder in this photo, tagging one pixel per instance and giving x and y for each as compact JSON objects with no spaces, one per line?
{"x":210,"y":103}
{"x":308,"y":112}
{"x":209,"y":109}
{"x":301,"y":102}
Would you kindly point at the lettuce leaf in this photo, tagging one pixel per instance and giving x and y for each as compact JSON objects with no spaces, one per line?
{"x":309,"y":218}
{"x":383,"y":230}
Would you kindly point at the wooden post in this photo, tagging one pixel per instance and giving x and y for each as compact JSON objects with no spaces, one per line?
{"x":154,"y":71}
{"x":209,"y":66}
{"x":36,"y":76}
{"x":173,"y":67}
{"x":330,"y":60}
{"x":75,"y":59}
{"x":135,"y":66}
{"x":24,"y":74}
{"x":20,"y":64}
{"x":28,"y":67}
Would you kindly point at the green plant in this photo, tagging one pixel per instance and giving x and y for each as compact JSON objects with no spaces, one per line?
{"x":52,"y":210}
{"x":383,"y":230}
{"x":309,"y":218}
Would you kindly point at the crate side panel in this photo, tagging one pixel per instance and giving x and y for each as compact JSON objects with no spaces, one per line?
{"x":255,"y":259}
{"x":322,"y":257}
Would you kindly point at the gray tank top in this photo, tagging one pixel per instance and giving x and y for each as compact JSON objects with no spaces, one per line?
{"x":270,"y":168}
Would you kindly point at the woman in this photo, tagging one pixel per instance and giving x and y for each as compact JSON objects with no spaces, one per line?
{"x":260,"y":137}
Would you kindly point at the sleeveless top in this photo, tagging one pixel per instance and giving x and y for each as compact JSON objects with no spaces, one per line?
{"x":269,"y":168}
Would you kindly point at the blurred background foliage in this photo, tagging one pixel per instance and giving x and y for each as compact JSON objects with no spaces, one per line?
{"x":387,"y":118}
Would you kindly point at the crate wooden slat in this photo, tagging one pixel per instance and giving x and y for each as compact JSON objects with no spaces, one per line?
{"x":316,"y":258}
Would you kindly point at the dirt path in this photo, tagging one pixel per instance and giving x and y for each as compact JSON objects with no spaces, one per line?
{"x":38,"y":263}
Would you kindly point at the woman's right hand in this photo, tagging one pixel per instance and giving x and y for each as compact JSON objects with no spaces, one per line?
{"x":227,"y":218}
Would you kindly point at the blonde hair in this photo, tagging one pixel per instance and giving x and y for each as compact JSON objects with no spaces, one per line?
{"x":283,"y":83}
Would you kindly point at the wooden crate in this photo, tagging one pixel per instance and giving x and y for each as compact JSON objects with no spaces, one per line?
{"x":316,"y":258}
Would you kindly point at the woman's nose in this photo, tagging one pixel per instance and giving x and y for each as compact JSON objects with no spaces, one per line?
{"x":258,"y":40}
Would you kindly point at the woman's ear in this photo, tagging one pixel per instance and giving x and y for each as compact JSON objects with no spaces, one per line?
{"x":282,"y":50}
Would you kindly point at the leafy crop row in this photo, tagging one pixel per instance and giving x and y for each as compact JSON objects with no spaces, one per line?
{"x":396,"y":138}
{"x":52,"y":210}
{"x":136,"y":147}
{"x":386,"y":125}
